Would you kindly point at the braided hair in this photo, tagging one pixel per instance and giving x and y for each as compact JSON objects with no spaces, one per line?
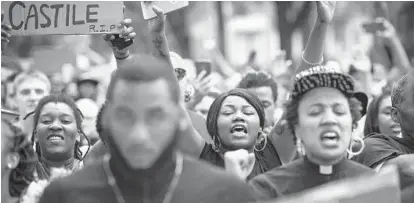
{"x":23,"y":174}
{"x":61,"y":98}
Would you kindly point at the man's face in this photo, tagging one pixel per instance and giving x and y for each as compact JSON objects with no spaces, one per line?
{"x":87,"y":90}
{"x":143,"y":120}
{"x":28,"y":94}
{"x":265,"y":95}
{"x":405,"y":110}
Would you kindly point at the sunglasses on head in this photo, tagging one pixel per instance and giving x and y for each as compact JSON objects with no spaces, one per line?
{"x":180,"y":73}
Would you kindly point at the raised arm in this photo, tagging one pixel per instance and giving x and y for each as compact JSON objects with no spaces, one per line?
{"x":313,"y":53}
{"x":158,"y":39}
{"x":190,"y":141}
{"x":390,"y":39}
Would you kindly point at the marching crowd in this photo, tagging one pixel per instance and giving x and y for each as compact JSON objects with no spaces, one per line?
{"x":158,"y":142}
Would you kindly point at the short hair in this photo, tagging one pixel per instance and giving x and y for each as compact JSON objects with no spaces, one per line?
{"x":23,"y":174}
{"x":259,"y":79}
{"x":21,"y":77}
{"x":144,"y":68}
{"x":397,"y":94}
{"x":60,"y":98}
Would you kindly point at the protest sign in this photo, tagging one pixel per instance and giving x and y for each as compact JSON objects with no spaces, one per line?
{"x":62,"y":17}
{"x":166,"y":6}
{"x":382,"y":187}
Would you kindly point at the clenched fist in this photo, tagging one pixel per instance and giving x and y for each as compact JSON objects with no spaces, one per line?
{"x":239,"y":162}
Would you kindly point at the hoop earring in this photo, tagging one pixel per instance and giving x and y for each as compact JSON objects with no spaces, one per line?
{"x":217,"y":144}
{"x":299,"y":147}
{"x":356,"y":139}
{"x":264,"y":145}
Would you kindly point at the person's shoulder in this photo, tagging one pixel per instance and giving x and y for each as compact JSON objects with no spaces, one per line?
{"x":215,"y":183}
{"x":289,"y":170}
{"x":378,"y":148}
{"x":90,"y":176}
{"x":358,"y":168}
{"x":209,"y":173}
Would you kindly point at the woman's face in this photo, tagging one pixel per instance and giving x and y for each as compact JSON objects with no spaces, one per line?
{"x":385,"y":123}
{"x":325,"y":124}
{"x":56,"y":129}
{"x":238,"y":124}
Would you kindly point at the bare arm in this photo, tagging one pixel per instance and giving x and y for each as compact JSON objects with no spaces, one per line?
{"x":190,"y":141}
{"x":390,"y":37}
{"x":313,"y":52}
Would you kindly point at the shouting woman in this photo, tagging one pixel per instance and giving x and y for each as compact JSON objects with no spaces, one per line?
{"x":235,"y":121}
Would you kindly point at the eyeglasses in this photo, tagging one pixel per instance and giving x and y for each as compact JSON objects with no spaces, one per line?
{"x":180,"y":73}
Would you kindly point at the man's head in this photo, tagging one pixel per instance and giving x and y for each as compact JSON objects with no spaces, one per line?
{"x":265,"y":88}
{"x":402,"y":101}
{"x":29,"y":88}
{"x":142,"y":111}
{"x":88,"y":88}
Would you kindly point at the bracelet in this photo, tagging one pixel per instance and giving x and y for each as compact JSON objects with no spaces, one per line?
{"x":121,"y":58}
{"x":311,"y":64}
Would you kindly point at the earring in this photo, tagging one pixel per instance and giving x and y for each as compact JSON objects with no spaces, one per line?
{"x":9,"y":166}
{"x":356,"y":139}
{"x":299,"y":147}
{"x":265,"y":142}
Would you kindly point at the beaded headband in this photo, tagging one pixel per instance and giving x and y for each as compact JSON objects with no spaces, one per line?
{"x":320,"y":76}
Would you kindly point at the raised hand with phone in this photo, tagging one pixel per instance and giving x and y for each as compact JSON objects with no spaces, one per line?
{"x":385,"y":31}
{"x":120,"y":42}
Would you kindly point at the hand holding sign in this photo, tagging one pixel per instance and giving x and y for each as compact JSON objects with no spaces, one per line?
{"x":124,"y":39}
{"x":5,"y":33}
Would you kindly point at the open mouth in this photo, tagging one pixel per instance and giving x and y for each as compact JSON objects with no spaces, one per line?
{"x":55,"y":137}
{"x":330,"y":138}
{"x":239,"y":130}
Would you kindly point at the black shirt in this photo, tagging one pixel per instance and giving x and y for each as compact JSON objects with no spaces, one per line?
{"x":300,"y":175}
{"x":380,"y":148}
{"x":265,"y":160}
{"x":199,"y":182}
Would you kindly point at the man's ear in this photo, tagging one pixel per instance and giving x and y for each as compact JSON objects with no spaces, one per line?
{"x":394,"y":115}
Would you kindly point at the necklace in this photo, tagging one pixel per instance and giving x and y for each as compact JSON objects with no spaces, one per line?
{"x":168,"y":196}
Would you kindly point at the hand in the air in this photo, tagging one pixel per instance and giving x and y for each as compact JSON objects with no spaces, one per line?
{"x":239,"y":162}
{"x":202,"y":84}
{"x":5,"y":33}
{"x":127,"y":33}
{"x":389,"y":31}
{"x":157,"y":24}
{"x":326,"y":10}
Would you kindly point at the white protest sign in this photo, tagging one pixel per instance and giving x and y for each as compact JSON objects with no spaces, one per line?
{"x":166,"y":6}
{"x":62,"y":17}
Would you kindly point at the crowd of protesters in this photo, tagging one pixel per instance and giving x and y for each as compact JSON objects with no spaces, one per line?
{"x":162,"y":136}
